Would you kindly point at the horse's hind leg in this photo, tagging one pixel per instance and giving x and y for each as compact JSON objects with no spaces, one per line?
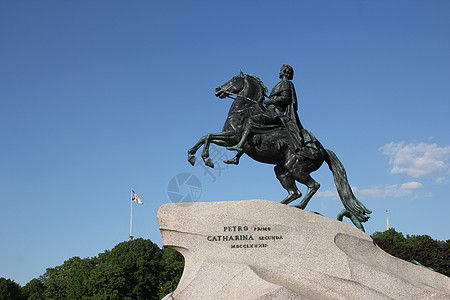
{"x":312,"y":185}
{"x":300,"y":172}
{"x":288,"y":183}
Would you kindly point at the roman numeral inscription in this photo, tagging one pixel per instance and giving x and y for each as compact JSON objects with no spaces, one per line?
{"x":246,"y":237}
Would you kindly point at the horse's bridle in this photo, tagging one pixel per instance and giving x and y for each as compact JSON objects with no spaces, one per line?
{"x":246,"y":98}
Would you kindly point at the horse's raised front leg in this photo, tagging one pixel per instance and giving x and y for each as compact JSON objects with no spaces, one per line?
{"x":205,"y":154}
{"x":193,"y":150}
{"x":222,"y":139}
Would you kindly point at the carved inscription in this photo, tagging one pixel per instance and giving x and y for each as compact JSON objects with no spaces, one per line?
{"x":252,"y":236}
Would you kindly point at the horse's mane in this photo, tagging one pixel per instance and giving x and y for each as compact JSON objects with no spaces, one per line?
{"x":263,"y":89}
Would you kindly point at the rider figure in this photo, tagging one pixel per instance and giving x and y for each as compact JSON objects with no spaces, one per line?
{"x":281,"y":110}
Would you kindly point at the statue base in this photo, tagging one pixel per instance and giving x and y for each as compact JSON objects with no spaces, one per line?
{"x":259,"y":249}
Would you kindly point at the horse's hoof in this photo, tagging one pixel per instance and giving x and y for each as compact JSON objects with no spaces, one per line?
{"x":192,"y":159}
{"x":302,"y":207}
{"x":291,"y":198}
{"x":286,"y":200}
{"x":209,"y":162}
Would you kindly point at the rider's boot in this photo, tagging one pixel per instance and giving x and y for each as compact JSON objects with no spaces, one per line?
{"x":234,"y":160}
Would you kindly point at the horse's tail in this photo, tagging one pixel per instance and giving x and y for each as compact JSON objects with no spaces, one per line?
{"x":343,"y":187}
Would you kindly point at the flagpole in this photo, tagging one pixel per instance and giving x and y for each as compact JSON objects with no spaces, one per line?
{"x":387,"y":220}
{"x":131,"y":216}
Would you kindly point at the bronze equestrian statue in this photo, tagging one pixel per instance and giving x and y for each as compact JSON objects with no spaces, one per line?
{"x":270,"y":132}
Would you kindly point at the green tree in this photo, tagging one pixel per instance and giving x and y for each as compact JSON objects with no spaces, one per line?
{"x":172,"y":269}
{"x":34,"y":290}
{"x":69,"y":281}
{"x":434,"y":254}
{"x":9,"y":290}
{"x":136,"y":269}
{"x":390,"y":234}
{"x":422,"y":248}
{"x":131,"y":270}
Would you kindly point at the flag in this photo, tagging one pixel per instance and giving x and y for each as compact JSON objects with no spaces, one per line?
{"x":135,"y":197}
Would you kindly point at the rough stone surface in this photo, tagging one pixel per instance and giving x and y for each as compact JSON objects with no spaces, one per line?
{"x":258,"y":249}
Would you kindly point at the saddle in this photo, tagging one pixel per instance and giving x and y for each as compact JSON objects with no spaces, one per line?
{"x":308,"y":148}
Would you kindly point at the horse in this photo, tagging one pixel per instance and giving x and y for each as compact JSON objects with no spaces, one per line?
{"x":271,"y":145}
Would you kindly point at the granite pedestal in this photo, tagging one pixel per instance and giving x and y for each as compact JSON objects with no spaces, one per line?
{"x":259,"y":249}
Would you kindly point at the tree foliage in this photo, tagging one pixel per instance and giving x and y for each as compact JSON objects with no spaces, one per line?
{"x":34,"y":290}
{"x":171,"y":274}
{"x":137,"y":269}
{"x":129,"y":271}
{"x":68,"y":281}
{"x":9,"y":290}
{"x":422,"y":248}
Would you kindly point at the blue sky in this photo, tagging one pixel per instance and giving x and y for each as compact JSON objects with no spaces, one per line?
{"x":97,"y":97}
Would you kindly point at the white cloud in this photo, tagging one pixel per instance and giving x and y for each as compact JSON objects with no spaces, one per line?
{"x":327,"y":194}
{"x":372,"y":192}
{"x":417,"y":160}
{"x":411,"y":186}
{"x":440,"y":179}
{"x":392,"y":191}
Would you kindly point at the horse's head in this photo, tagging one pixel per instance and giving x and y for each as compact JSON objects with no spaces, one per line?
{"x":245,"y":85}
{"x":232,"y":87}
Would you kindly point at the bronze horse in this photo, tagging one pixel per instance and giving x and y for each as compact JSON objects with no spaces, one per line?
{"x":271,"y":146}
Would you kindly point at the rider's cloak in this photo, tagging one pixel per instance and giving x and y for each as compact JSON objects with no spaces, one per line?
{"x":291,"y":119}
